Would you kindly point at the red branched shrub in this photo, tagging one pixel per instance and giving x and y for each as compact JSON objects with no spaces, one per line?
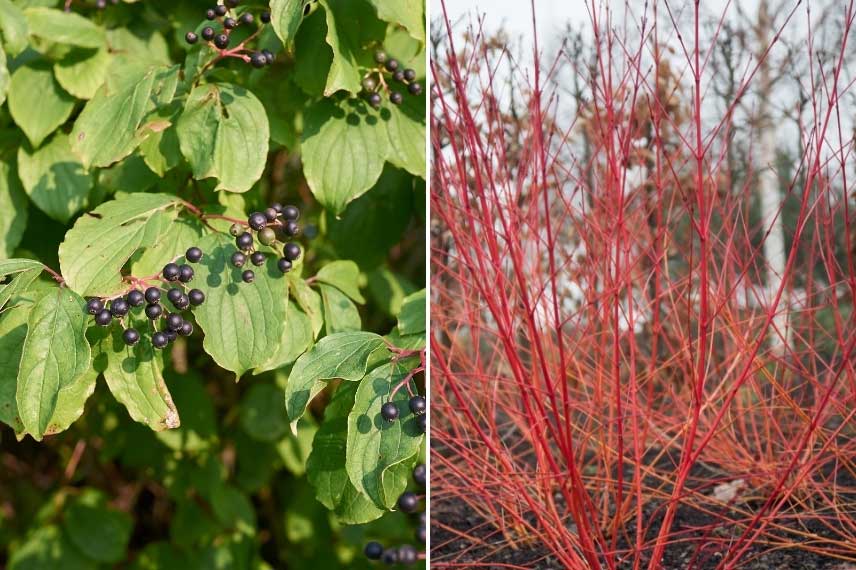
{"x":642,"y":309}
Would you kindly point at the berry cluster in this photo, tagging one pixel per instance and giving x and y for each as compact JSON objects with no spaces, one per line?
{"x":277,"y":224}
{"x":378,"y":79}
{"x":417,"y":405}
{"x":174,"y":324}
{"x":408,"y":502}
{"x":227,"y":16}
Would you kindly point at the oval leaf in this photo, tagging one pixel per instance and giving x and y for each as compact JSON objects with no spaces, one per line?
{"x":53,"y":109}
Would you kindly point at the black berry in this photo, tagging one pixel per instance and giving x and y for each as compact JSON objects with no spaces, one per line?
{"x":257,"y":258}
{"x":173,"y":294}
{"x":257,"y":220}
{"x":94,"y":306}
{"x":420,"y":534}
{"x":375,"y":100}
{"x":246,"y":18}
{"x":210,"y":14}
{"x":277,"y":206}
{"x":389,"y":412}
{"x":221,"y":41}
{"x":420,"y":473}
{"x":409,"y":74}
{"x":414,"y":88}
{"x":265,"y":17}
{"x":396,"y":98}
{"x":267,"y":236}
{"x":136,"y":298}
{"x":238,"y":259}
{"x":220,"y":10}
{"x":406,"y":554}
{"x":103,"y":318}
{"x":421,"y":423}
{"x":186,"y":329}
{"x":154,"y":311}
{"x":191,"y":38}
{"x":284,"y":265}
{"x":389,"y":557}
{"x":269,"y":55}
{"x":196,"y":297}
{"x":153,"y":294}
{"x":208,"y":33}
{"x":290,"y":213}
{"x":159,"y":340}
{"x":170,"y":335}
{"x":408,"y":502}
{"x":373,"y":550}
{"x":182,"y":303}
{"x":229,"y":23}
{"x":291,"y":251}
{"x":174,"y":321}
{"x":391,"y":64}
{"x":244,"y":241}
{"x":270,"y":214}
{"x":193,"y":255}
{"x":417,"y":405}
{"x":258,"y":60}
{"x":131,"y":337}
{"x":248,"y":276}
{"x":369,"y":84}
{"x":119,"y":307}
{"x":380,"y":56}
{"x":292,"y":229}
{"x":398,"y":75}
{"x":170,"y":272}
{"x":185,"y":274}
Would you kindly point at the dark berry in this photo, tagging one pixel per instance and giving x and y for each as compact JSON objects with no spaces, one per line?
{"x":186,"y":274}
{"x":238,"y":259}
{"x":136,"y":298}
{"x":103,"y":318}
{"x":229,"y":23}
{"x":406,"y":554}
{"x":270,"y":214}
{"x":421,"y":423}
{"x":159,"y":340}
{"x":94,"y":306}
{"x":257,"y":220}
{"x":414,"y":88}
{"x":277,"y":206}
{"x":369,"y":84}
{"x":221,"y":41}
{"x":284,"y":265}
{"x":182,"y":303}
{"x":173,"y":294}
{"x":171,"y":272}
{"x":208,"y":33}
{"x":373,"y":550}
{"x":191,"y":38}
{"x":391,"y":64}
{"x":236,"y":230}
{"x":220,"y":10}
{"x":269,"y":55}
{"x":291,"y":251}
{"x":292,"y":229}
{"x":153,"y":294}
{"x":389,"y":412}
{"x":154,"y":311}
{"x":390,"y":557}
{"x":398,"y":75}
{"x":265,"y":17}
{"x":257,"y":258}
{"x":258,"y":60}
{"x":170,"y":335}
{"x":395,"y":98}
{"x":417,"y":405}
{"x":186,"y":329}
{"x":193,"y":255}
{"x":248,"y":276}
{"x":290,"y":213}
{"x":375,"y":100}
{"x":420,"y":473}
{"x":420,"y":534}
{"x":244,"y":241}
{"x":409,"y":74}
{"x":196,"y":297}
{"x":119,"y":307}
{"x":246,"y":18}
{"x":380,"y":56}
{"x":174,"y":321}
{"x":267,"y":236}
{"x":408,"y":502}
{"x":210,"y":14}
{"x":231,"y":3}
{"x":131,"y":337}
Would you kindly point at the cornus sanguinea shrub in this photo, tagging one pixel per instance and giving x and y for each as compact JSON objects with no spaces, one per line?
{"x":643,"y":280}
{"x":211,"y":284}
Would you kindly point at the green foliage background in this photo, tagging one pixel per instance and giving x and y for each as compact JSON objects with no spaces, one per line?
{"x":120,"y":146}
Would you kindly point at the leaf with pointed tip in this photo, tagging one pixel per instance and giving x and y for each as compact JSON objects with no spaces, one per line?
{"x":285,"y":17}
{"x":344,"y":355}
{"x":55,"y":355}
{"x":351,"y":24}
{"x":54,"y":108}
{"x":407,"y":13}
{"x":23,"y":272}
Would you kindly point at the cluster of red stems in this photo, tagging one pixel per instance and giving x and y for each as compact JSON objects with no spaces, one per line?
{"x":605,"y":352}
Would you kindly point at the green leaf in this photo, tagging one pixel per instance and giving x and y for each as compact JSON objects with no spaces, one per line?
{"x":243,"y":322}
{"x":198,"y":430}
{"x":13,"y":27}
{"x":296,"y":339}
{"x":54,"y":178}
{"x":13,"y":331}
{"x":162,"y":556}
{"x":47,"y":548}
{"x":60,"y":27}
{"x":407,"y":13}
{"x":285,"y":17}
{"x":98,"y":246}
{"x":406,"y":342}
{"x":340,"y":313}
{"x":113,"y":123}
{"x":233,"y":509}
{"x":4,"y":76}
{"x":411,"y":318}
{"x":54,"y":104}
{"x":100,"y":532}
{"x":23,"y":272}
{"x":13,"y":210}
{"x":407,"y":135}
{"x":262,"y":414}
{"x":55,"y":355}
{"x":343,"y":355}
{"x":82,"y":71}
{"x":309,"y":301}
{"x":223,"y":133}
{"x":294,"y":450}
{"x":161,"y":150}
{"x":312,"y":55}
{"x":343,"y":152}
{"x":176,"y":239}
{"x":374,"y":444}
{"x":350,"y":25}
{"x":388,"y":289}
{"x":345,"y":276}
